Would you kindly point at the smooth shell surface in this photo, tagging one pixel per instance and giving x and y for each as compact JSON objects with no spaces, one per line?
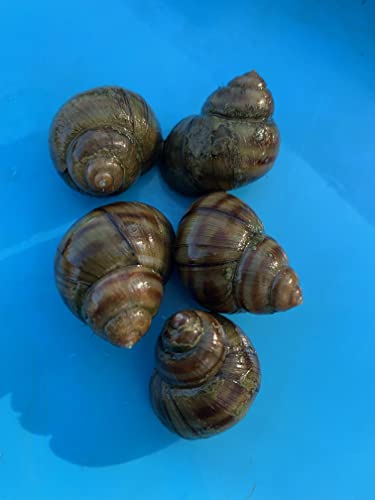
{"x":233,"y":142}
{"x":103,"y":139}
{"x":227,"y":261}
{"x":111,"y":265}
{"x":207,"y":374}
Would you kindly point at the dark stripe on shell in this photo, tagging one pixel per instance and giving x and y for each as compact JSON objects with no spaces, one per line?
{"x":168,"y":398}
{"x":116,"y":223}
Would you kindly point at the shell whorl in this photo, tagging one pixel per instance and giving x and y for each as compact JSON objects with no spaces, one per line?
{"x":245,"y":97}
{"x":263,"y":281}
{"x":100,"y":161}
{"x":110,"y":268}
{"x":103,"y":139}
{"x":191,"y":349}
{"x":229,"y":263}
{"x":120,"y":306}
{"x":193,"y":405}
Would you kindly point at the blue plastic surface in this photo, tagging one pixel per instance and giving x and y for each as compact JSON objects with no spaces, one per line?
{"x":75,"y":420}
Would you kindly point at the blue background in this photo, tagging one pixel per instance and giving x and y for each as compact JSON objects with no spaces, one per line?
{"x":75,"y":420}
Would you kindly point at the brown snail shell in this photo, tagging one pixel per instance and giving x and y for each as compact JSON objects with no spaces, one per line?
{"x":110,"y":269}
{"x":233,"y":142}
{"x":103,"y":139}
{"x":207,"y":374}
{"x":229,"y":263}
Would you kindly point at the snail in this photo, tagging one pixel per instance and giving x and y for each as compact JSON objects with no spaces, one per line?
{"x":103,"y":139}
{"x":110,"y":268}
{"x":207,"y":374}
{"x":229,"y":263}
{"x":233,"y":142}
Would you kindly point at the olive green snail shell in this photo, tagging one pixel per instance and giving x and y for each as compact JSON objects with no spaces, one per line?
{"x":111,"y":267}
{"x":233,"y":142}
{"x":207,"y":374}
{"x":103,"y":139}
{"x":228,"y":262}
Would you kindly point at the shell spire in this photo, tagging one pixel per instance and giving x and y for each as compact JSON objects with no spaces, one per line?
{"x":190,"y":349}
{"x":264,"y":282}
{"x":104,"y":175}
{"x":244,"y":97}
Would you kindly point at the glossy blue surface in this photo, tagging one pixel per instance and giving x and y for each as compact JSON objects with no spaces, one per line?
{"x":75,"y":420}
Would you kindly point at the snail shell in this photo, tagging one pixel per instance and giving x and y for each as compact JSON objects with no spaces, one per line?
{"x":227,"y":261}
{"x":233,"y":142}
{"x":207,"y":374}
{"x":110,"y":269}
{"x":103,"y":139}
